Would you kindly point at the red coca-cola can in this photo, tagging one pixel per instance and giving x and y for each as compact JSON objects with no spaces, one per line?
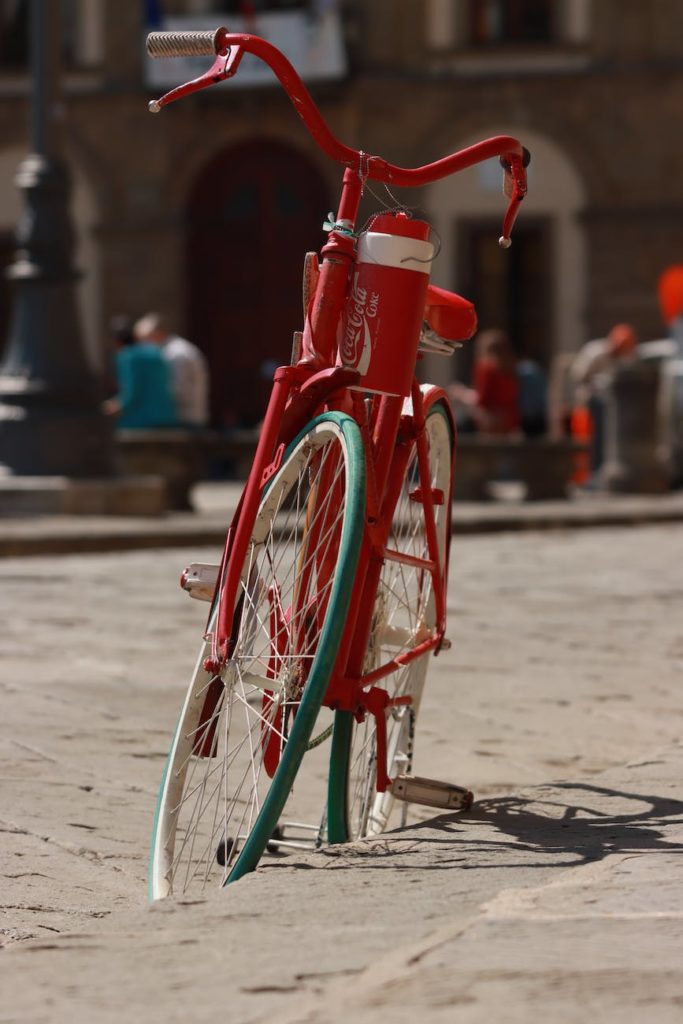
{"x":383,"y":318}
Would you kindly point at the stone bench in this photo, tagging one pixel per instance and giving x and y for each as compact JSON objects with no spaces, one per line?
{"x":184,"y":457}
{"x":543,"y":465}
{"x":180,"y":457}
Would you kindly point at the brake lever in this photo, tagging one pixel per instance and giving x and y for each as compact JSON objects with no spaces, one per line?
{"x":515,"y":188}
{"x":224,"y":66}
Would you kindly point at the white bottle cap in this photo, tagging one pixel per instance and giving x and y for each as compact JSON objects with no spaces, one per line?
{"x":395,"y":251}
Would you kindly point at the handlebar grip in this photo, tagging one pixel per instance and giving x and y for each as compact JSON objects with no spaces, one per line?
{"x":185,"y":44}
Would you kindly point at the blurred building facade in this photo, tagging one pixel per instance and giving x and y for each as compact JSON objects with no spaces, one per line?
{"x":202,"y":212}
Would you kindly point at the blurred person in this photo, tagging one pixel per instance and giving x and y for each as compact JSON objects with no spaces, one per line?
{"x":533,"y":398}
{"x":188,"y":367}
{"x":144,"y":397}
{"x":492,"y":403}
{"x":590,"y":373}
{"x":597,"y":358}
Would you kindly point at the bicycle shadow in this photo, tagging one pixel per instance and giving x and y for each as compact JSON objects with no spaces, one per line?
{"x":551,"y":827}
{"x":583,"y":830}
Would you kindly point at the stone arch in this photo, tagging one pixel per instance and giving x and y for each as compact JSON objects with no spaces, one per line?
{"x":195,"y":150}
{"x":556,"y":192}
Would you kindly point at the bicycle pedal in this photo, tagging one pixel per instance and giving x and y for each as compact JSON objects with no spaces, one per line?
{"x":431,"y":793}
{"x":199,"y":580}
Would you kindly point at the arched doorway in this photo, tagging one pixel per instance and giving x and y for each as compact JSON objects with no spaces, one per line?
{"x":535,"y":290}
{"x":252,"y":213}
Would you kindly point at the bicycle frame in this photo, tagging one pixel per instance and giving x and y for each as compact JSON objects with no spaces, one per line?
{"x":315,"y":382}
{"x":395,"y":430}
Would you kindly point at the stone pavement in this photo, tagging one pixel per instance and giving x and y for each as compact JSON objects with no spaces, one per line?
{"x":215,"y":502}
{"x":558,"y":895}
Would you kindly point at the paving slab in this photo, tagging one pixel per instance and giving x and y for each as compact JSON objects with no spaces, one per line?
{"x":559,"y":894}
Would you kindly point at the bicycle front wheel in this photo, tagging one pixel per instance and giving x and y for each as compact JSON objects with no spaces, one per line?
{"x":404,"y":615}
{"x":242,"y":735}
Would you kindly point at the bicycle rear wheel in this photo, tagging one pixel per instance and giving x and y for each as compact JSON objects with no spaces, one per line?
{"x":242,"y":735}
{"x":404,"y":614}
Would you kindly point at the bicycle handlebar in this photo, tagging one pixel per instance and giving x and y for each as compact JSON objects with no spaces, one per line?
{"x":228,"y":48}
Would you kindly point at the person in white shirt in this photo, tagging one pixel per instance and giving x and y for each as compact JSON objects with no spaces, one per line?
{"x":594,"y":362}
{"x":590,"y":373}
{"x":189,"y":370}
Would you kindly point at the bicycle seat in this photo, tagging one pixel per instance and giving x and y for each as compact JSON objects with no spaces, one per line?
{"x":449,"y":315}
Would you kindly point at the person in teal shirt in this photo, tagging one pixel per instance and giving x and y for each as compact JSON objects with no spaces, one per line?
{"x":145,"y":398}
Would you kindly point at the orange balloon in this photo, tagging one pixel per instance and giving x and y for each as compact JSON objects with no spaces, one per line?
{"x":670,"y":289}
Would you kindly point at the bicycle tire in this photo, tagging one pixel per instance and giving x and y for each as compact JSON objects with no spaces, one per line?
{"x":216,"y":814}
{"x":404,"y":607}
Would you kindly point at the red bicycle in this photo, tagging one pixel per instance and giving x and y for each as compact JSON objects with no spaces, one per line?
{"x":330,"y":596}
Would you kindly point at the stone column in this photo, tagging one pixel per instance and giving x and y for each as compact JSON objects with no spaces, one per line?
{"x":633,"y":460}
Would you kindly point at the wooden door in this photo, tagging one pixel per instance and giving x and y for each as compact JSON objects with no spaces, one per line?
{"x":253,"y":213}
{"x":511,"y":288}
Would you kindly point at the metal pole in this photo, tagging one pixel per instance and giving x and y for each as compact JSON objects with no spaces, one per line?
{"x":671,"y":403}
{"x":45,"y":35}
{"x":50,"y":417}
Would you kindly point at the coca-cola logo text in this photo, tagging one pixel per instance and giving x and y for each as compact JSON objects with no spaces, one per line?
{"x":360,"y":309}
